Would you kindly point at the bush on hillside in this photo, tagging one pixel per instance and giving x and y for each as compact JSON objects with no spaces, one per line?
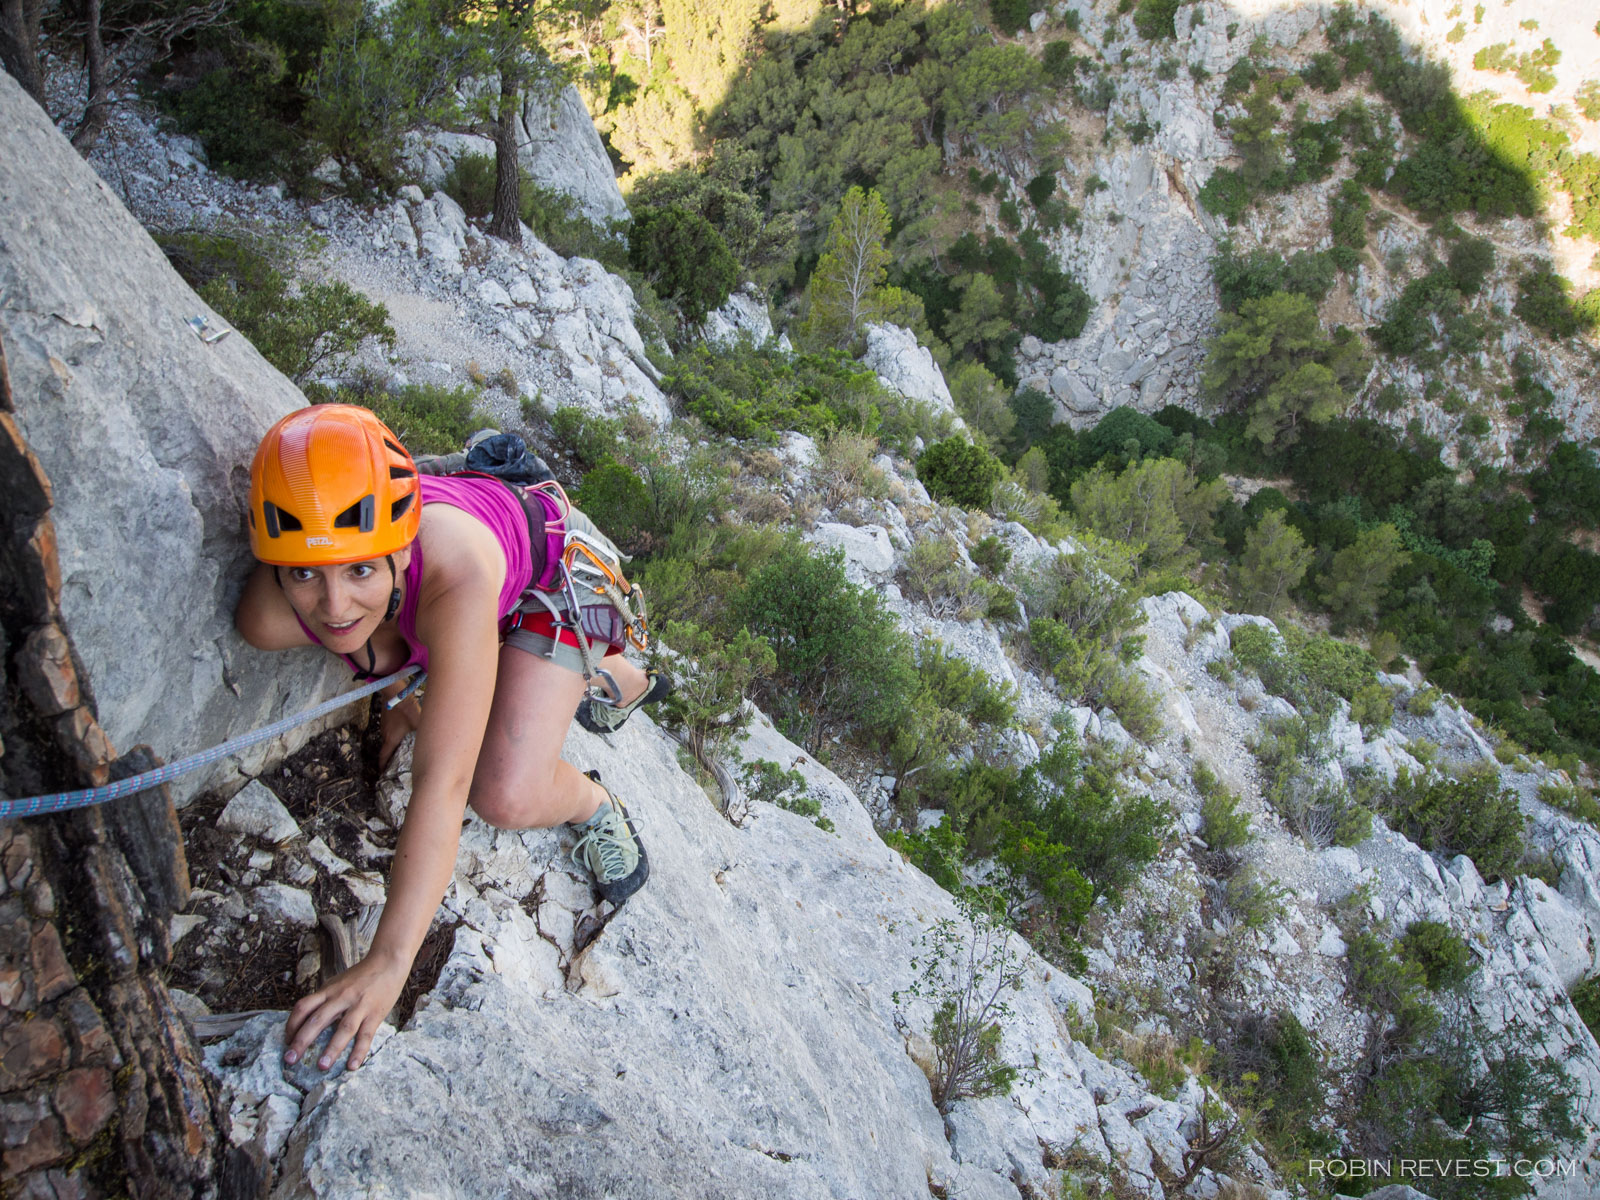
{"x":1467,"y":814}
{"x":684,"y":259}
{"x":842,"y":659}
{"x":961,"y":472}
{"x":1443,"y":957}
{"x":302,"y":327}
{"x":427,"y":418}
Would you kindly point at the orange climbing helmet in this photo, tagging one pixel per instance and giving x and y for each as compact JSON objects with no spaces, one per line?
{"x":330,"y":484}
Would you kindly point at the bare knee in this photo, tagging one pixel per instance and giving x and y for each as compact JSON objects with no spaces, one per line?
{"x":529,"y":803}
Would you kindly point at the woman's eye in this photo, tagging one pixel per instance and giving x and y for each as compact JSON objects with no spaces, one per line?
{"x":362,"y":570}
{"x":301,"y":575}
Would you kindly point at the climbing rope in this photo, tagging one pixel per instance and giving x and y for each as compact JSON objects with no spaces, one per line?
{"x":61,"y":801}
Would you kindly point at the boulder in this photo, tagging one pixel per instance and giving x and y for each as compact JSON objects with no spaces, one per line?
{"x":868,"y":551}
{"x":906,"y":366}
{"x":743,"y":315}
{"x":146,"y":433}
{"x":257,"y":812}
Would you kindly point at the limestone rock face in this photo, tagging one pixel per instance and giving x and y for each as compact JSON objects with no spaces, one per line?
{"x":732,"y":1031}
{"x":905,"y":366}
{"x":743,"y":315}
{"x":868,"y":553}
{"x":146,"y":433}
{"x":562,"y":150}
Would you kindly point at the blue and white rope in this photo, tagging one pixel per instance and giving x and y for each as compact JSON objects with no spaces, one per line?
{"x":33,"y":806}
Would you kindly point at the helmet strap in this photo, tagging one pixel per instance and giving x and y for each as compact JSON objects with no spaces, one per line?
{"x":394,"y":592}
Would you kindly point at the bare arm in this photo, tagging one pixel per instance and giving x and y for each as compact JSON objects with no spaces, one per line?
{"x":457,"y":621}
{"x":264,"y":618}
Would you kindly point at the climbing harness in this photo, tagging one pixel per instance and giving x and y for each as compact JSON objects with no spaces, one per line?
{"x":34,"y":806}
{"x":579,"y":565}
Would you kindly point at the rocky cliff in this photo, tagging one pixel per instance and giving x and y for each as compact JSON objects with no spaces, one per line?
{"x":1143,"y":243}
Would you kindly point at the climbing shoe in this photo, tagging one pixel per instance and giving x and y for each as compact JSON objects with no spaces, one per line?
{"x":611,"y":850}
{"x":599,"y":717}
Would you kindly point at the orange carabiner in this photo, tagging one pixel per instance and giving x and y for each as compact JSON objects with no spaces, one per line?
{"x":571,"y":554}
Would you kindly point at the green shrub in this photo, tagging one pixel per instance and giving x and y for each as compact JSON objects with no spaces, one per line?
{"x":1444,"y":958}
{"x":960,"y":472}
{"x":684,"y":259}
{"x":586,"y":438}
{"x":1059,"y":62}
{"x":1572,"y":799}
{"x":1154,"y":19}
{"x":1129,"y":435}
{"x":756,"y":392}
{"x":1392,"y":987}
{"x":767,"y":782}
{"x":935,"y":575}
{"x":1324,"y":72}
{"x":841,"y":657}
{"x":1275,"y":1064}
{"x":1467,"y":814}
{"x":1010,"y":15}
{"x":1226,"y":194}
{"x":1586,"y":999}
{"x":708,"y":701}
{"x":1082,"y":667}
{"x":1223,"y":826}
{"x":1109,"y":838}
{"x":428,"y":419}
{"x":616,"y":500}
{"x":1372,"y":707}
{"x":470,"y":183}
{"x":967,"y":690}
{"x":1544,"y":301}
{"x":990,"y":555}
{"x":303,"y":328}
{"x":1423,"y":701}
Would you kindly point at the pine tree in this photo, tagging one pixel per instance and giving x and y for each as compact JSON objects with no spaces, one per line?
{"x":1360,"y":575}
{"x":847,"y":288}
{"x":1274,"y":561}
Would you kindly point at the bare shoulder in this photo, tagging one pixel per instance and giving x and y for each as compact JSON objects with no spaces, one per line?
{"x":462,"y":558}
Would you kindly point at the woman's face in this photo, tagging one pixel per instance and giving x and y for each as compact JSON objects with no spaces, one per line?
{"x":344,"y":603}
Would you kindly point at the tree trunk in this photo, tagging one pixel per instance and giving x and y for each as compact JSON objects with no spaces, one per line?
{"x":506,"y":223}
{"x":19,"y":44}
{"x":94,"y":56}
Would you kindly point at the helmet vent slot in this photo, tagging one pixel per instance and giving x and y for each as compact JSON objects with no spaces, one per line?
{"x":278,"y":521}
{"x":400,"y":450}
{"x":360,"y":515}
{"x":400,"y":508}
{"x":401,"y":473}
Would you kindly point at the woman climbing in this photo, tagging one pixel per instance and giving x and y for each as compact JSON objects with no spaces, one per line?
{"x":363,"y":556}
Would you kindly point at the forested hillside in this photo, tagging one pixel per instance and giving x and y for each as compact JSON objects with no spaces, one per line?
{"x":1378,"y":340}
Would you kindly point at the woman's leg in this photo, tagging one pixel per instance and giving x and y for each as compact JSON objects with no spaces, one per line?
{"x":521,"y":781}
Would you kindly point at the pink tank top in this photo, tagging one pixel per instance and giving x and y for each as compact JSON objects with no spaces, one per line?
{"x":491,"y":502}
